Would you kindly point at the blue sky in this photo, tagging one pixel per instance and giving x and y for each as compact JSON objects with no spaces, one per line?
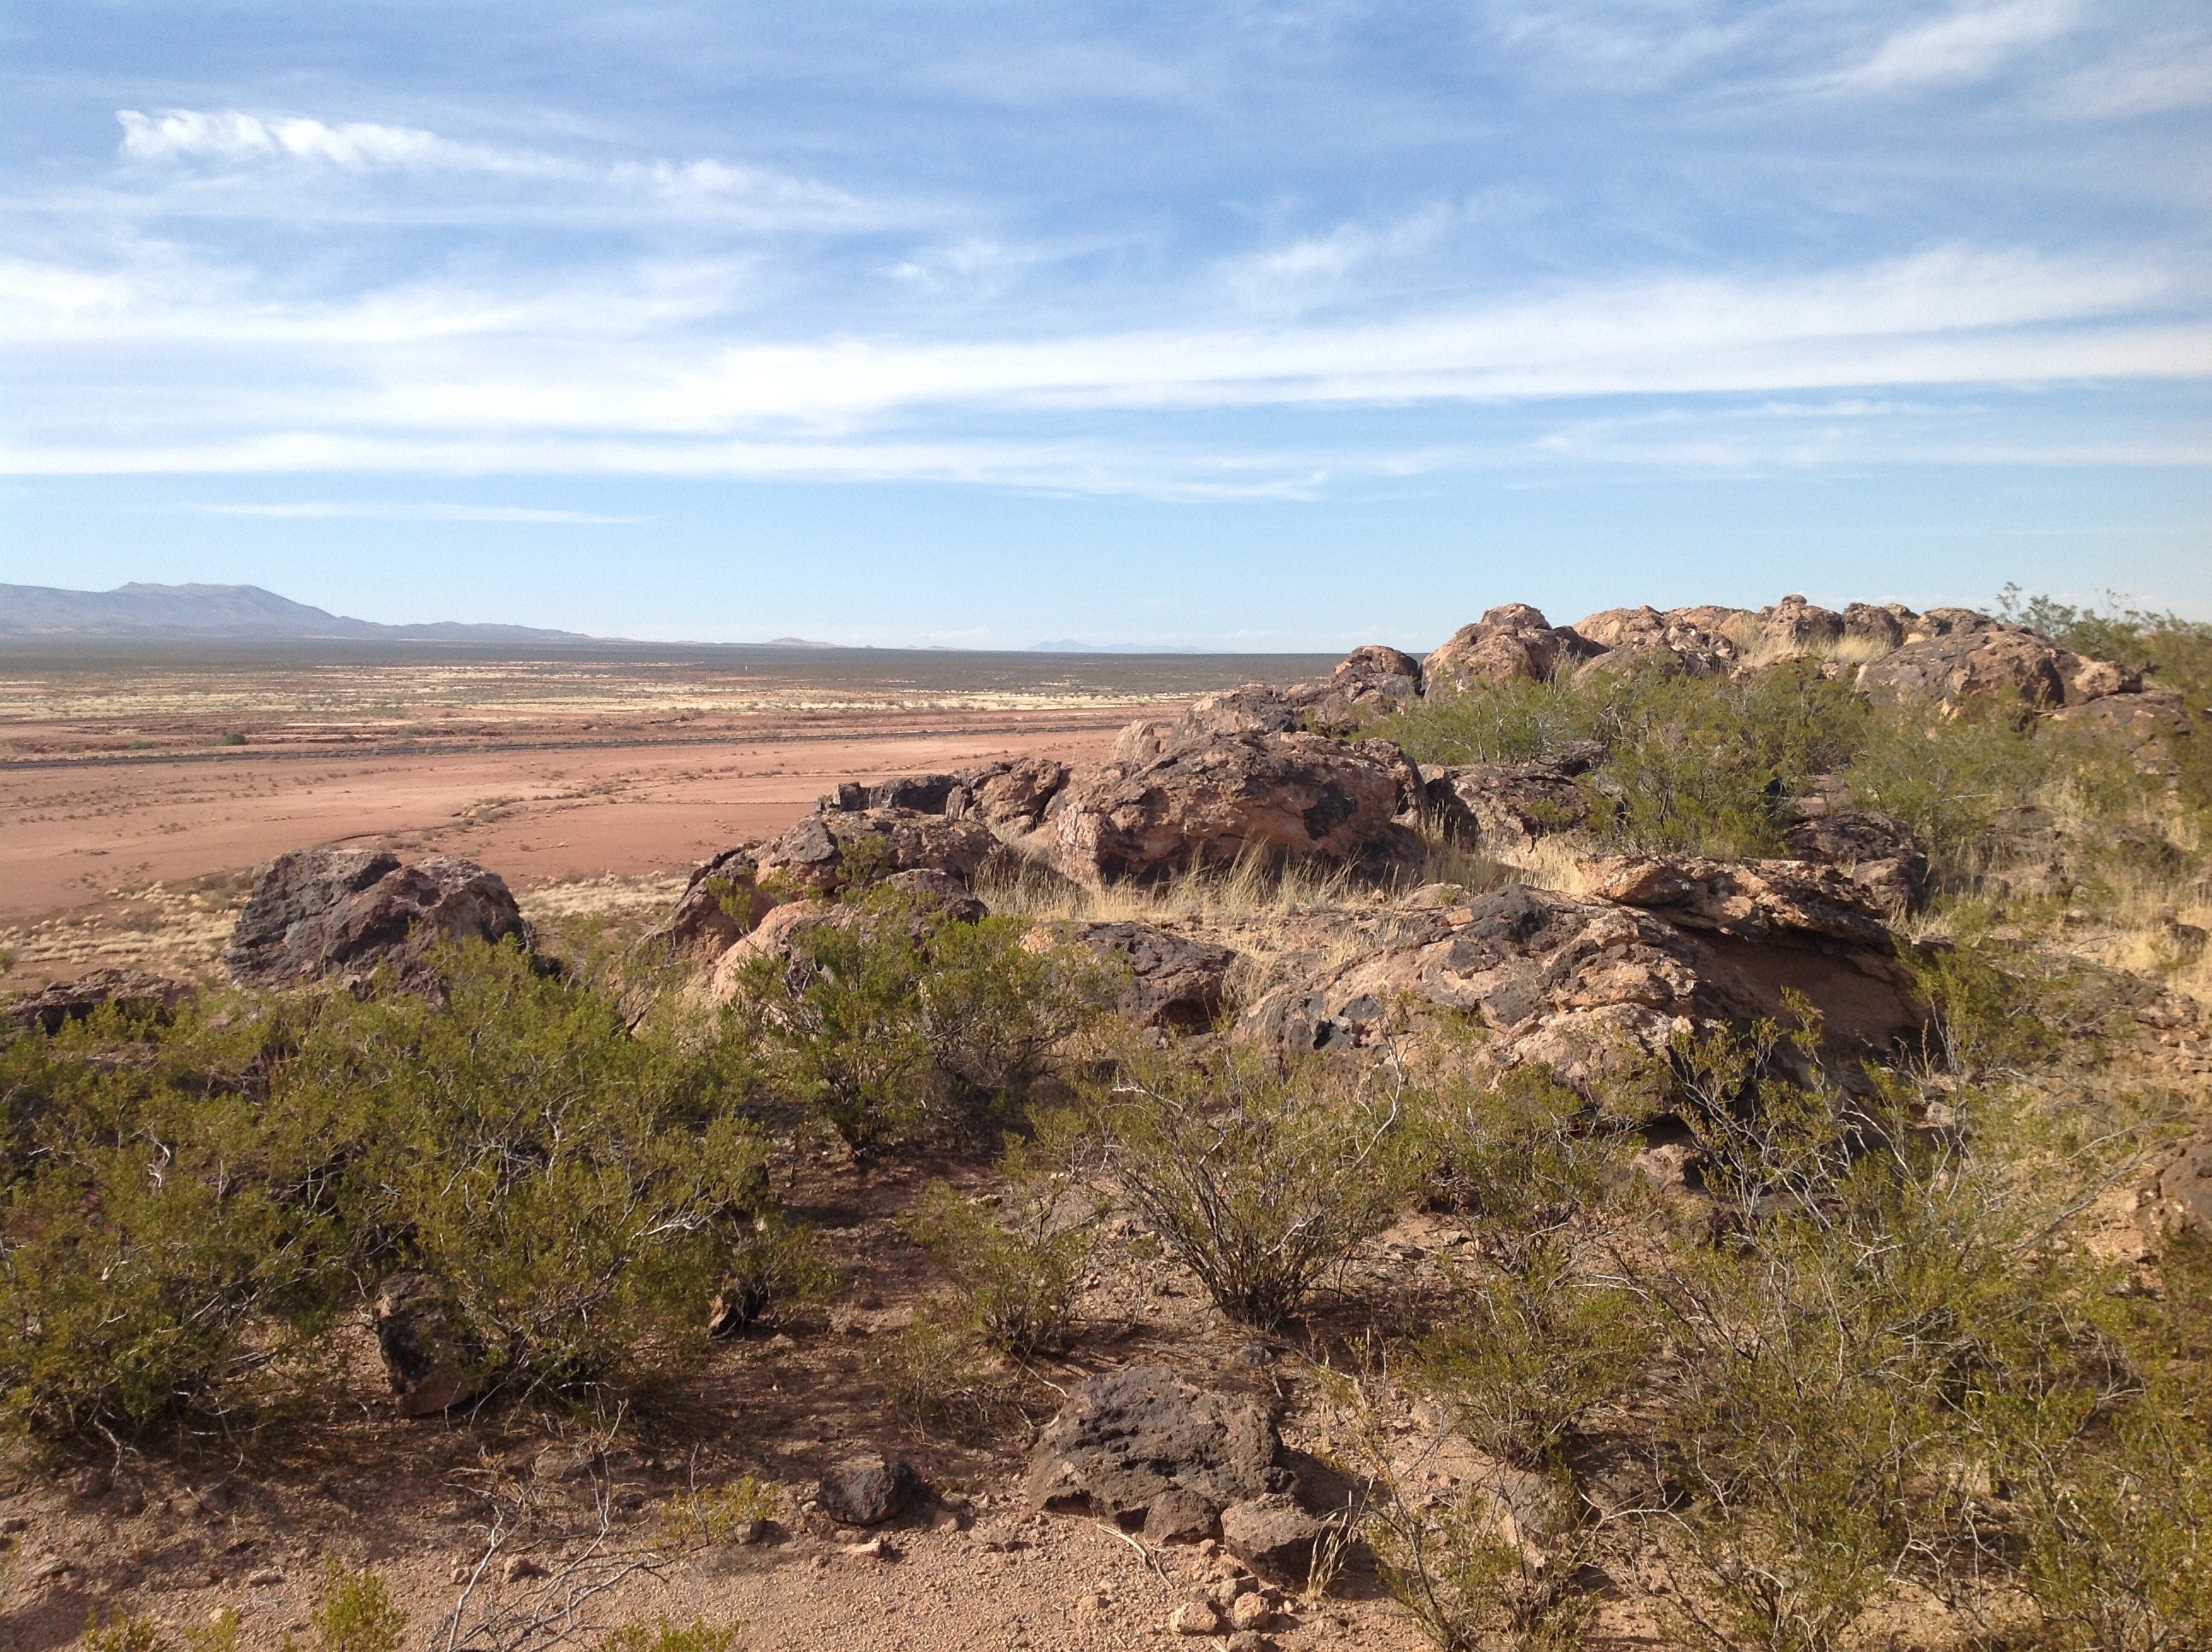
{"x":1229,"y":325}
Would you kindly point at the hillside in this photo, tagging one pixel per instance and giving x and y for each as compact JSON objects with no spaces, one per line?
{"x":218,"y":613}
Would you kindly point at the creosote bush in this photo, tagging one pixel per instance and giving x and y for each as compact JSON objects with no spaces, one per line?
{"x":1259,"y":1178}
{"x":1017,"y":1267}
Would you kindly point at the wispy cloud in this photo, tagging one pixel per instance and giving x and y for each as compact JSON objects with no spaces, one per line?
{"x":1970,"y":45}
{"x":319,"y":509}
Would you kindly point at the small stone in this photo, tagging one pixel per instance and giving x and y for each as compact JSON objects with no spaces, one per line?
{"x":88,"y":1484}
{"x":567,"y":1462}
{"x":11,"y":1523}
{"x":131,"y":1503}
{"x":1250,"y":1611}
{"x":520,"y":1568}
{"x":867,"y":1490}
{"x":1195,"y":1618}
{"x":1249,"y":1640}
{"x":874,"y":1548}
{"x":1093,"y":1602}
{"x":267,"y":1578}
{"x":52,"y":1567}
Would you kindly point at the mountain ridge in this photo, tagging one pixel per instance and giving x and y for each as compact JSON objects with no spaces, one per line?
{"x":237,"y":613}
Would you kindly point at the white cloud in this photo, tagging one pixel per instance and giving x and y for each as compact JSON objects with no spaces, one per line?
{"x":1968,"y":46}
{"x":1320,"y":261}
{"x":231,"y":135}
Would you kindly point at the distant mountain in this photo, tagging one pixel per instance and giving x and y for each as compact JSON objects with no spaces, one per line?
{"x":798,"y":642}
{"x":219,"y":613}
{"x":1068,"y":648}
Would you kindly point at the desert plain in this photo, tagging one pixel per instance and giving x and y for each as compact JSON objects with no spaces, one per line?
{"x":140,"y":786}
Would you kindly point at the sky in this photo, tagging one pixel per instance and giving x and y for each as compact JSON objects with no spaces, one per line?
{"x":1192,"y":324}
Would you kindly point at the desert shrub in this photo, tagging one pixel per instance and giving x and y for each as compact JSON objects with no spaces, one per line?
{"x":578,"y":1190}
{"x":357,"y":1613}
{"x":717,"y":1514}
{"x":773,"y":1268}
{"x":1017,"y":1270}
{"x":1260,"y":1179}
{"x":165,"y":1249}
{"x":697,"y":1636}
{"x":939,"y":1373}
{"x":899,"y":1017}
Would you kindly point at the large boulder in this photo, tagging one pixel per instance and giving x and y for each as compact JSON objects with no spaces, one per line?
{"x":1694,"y":640}
{"x":1508,"y":806}
{"x":1877,"y":630}
{"x":2150,"y":723}
{"x":921,"y":895}
{"x":718,"y":906}
{"x":339,"y":913}
{"x":132,"y":991}
{"x":1012,"y":797}
{"x":1512,"y":641}
{"x":1794,"y":627}
{"x":432,"y":1357}
{"x":834,"y":848}
{"x":1281,"y":796}
{"x":867,"y":1490}
{"x":1598,"y":985}
{"x":1143,"y":1449}
{"x":1171,"y":981}
{"x":1976,"y":658}
{"x":1369,"y":682}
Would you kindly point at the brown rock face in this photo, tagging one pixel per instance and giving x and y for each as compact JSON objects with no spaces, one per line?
{"x":2182,"y":1197}
{"x":1510,"y":806}
{"x":1174,"y":981}
{"x":718,"y":906}
{"x":1588,"y":985}
{"x":1513,"y":641}
{"x":133,"y":991}
{"x":833,"y":847}
{"x":1880,"y":629}
{"x":1984,"y":661}
{"x":1696,"y":640}
{"x":1877,"y":852}
{"x":2150,"y":723}
{"x":1014,"y":797}
{"x":1144,"y":1449}
{"x":1793,"y":626}
{"x":340,"y":912}
{"x":1283,"y":797}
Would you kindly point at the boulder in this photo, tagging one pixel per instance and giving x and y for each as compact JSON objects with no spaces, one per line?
{"x":1282,"y":797}
{"x":1878,"y":852}
{"x":2007,"y":666}
{"x":1274,"y":1537}
{"x":833,"y":849}
{"x":1794,"y":627}
{"x":1143,"y":1449}
{"x":1173,"y":981}
{"x":1508,"y":806}
{"x":718,"y":906}
{"x":2148,"y":722}
{"x":1391,"y":673}
{"x":433,"y":1358}
{"x":867,"y":1490}
{"x":1513,"y":641}
{"x":340,"y":912}
{"x":132,"y":991}
{"x":1694,"y":640}
{"x":2181,"y":1198}
{"x":1598,"y":985}
{"x":1012,"y":798}
{"x":1877,"y":630}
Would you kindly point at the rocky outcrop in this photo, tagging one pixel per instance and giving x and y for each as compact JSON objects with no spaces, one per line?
{"x":1508,"y":806}
{"x":133,"y":991}
{"x":1369,"y":683}
{"x":1695,"y":640}
{"x":1012,"y":798}
{"x":834,"y":848}
{"x":1143,"y":1449}
{"x":1512,"y":641}
{"x":433,"y":1359}
{"x":1172,"y":981}
{"x":719,"y":905}
{"x":1794,"y":628}
{"x":1878,"y":852}
{"x":1596,"y":985}
{"x":2150,"y":723}
{"x":1975,"y":658}
{"x":1281,"y":796}
{"x":340,"y":913}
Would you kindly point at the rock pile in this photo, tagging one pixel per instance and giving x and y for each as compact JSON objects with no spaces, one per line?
{"x":132,"y":991}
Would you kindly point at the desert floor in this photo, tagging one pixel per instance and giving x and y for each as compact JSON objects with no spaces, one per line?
{"x":137,"y":791}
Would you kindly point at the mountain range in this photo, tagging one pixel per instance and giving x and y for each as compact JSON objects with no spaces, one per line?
{"x":220,"y":613}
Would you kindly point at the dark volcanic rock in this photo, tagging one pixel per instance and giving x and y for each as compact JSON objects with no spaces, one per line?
{"x":1174,"y":981}
{"x":1143,"y":1449}
{"x":434,"y":1361}
{"x":1272,"y":1535}
{"x":1510,"y":806}
{"x":340,"y":912}
{"x":1282,"y":797}
{"x":1877,"y":852}
{"x":867,"y":1490}
{"x":132,"y":991}
{"x":1595,"y":985}
{"x":1976,"y":657}
{"x":833,"y":847}
{"x":718,"y":905}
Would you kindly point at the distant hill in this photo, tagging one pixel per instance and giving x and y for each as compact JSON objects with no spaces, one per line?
{"x":798,"y":642}
{"x":1067,"y":647}
{"x":219,"y":613}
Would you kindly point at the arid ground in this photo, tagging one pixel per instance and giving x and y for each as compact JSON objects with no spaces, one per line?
{"x":137,"y":788}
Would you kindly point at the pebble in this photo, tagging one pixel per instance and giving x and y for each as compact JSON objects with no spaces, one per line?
{"x":12,"y":1523}
{"x":874,"y":1548}
{"x":267,"y":1576}
{"x":1195,"y":1618}
{"x":1250,"y":1611}
{"x":520,"y":1568}
{"x":1249,"y":1640}
{"x":52,"y":1567}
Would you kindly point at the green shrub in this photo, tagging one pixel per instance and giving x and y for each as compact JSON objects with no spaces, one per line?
{"x":358,"y":1613}
{"x":167,"y":1250}
{"x":1260,"y":1179}
{"x":937,"y":1373}
{"x":697,"y":1636}
{"x":1018,"y":1272}
{"x":579,"y":1191}
{"x":771,"y":1270}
